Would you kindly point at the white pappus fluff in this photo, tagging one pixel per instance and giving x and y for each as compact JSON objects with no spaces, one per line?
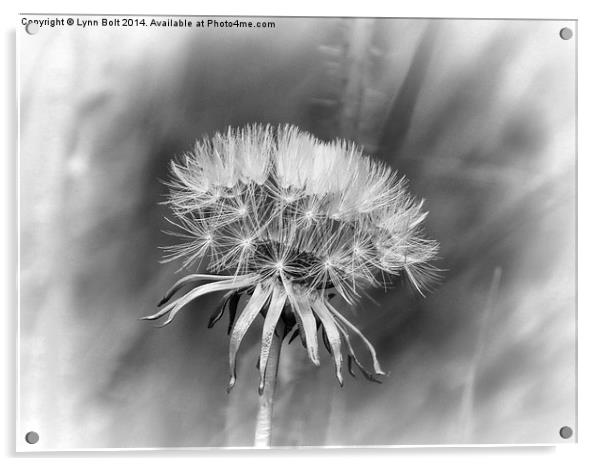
{"x":292,"y":221}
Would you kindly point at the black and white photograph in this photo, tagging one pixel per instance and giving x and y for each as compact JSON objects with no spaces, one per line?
{"x":290,"y":232}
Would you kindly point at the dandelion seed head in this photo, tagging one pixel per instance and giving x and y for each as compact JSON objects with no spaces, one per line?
{"x":292,"y":221}
{"x":314,"y":198}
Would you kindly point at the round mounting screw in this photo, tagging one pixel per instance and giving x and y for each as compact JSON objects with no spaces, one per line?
{"x":566,"y":33}
{"x":32,"y":437}
{"x":32,"y":28}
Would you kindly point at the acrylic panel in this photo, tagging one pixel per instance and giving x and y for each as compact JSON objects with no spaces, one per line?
{"x":450,"y":296}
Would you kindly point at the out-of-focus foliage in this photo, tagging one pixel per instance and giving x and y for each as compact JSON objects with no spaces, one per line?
{"x":478,"y":114}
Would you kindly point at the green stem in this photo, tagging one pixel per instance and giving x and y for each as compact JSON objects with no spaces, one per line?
{"x":263,"y":427}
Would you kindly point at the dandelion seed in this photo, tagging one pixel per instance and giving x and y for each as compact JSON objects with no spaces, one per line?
{"x":292,"y":222}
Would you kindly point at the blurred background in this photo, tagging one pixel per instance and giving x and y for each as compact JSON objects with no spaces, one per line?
{"x":478,"y":114}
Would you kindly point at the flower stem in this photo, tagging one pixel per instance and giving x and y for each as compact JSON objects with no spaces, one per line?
{"x":263,"y":427}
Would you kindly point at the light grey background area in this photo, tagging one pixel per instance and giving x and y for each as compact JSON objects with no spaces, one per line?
{"x":480,"y":116}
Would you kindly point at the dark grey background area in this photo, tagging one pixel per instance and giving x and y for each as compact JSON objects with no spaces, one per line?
{"x":479,"y":115}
